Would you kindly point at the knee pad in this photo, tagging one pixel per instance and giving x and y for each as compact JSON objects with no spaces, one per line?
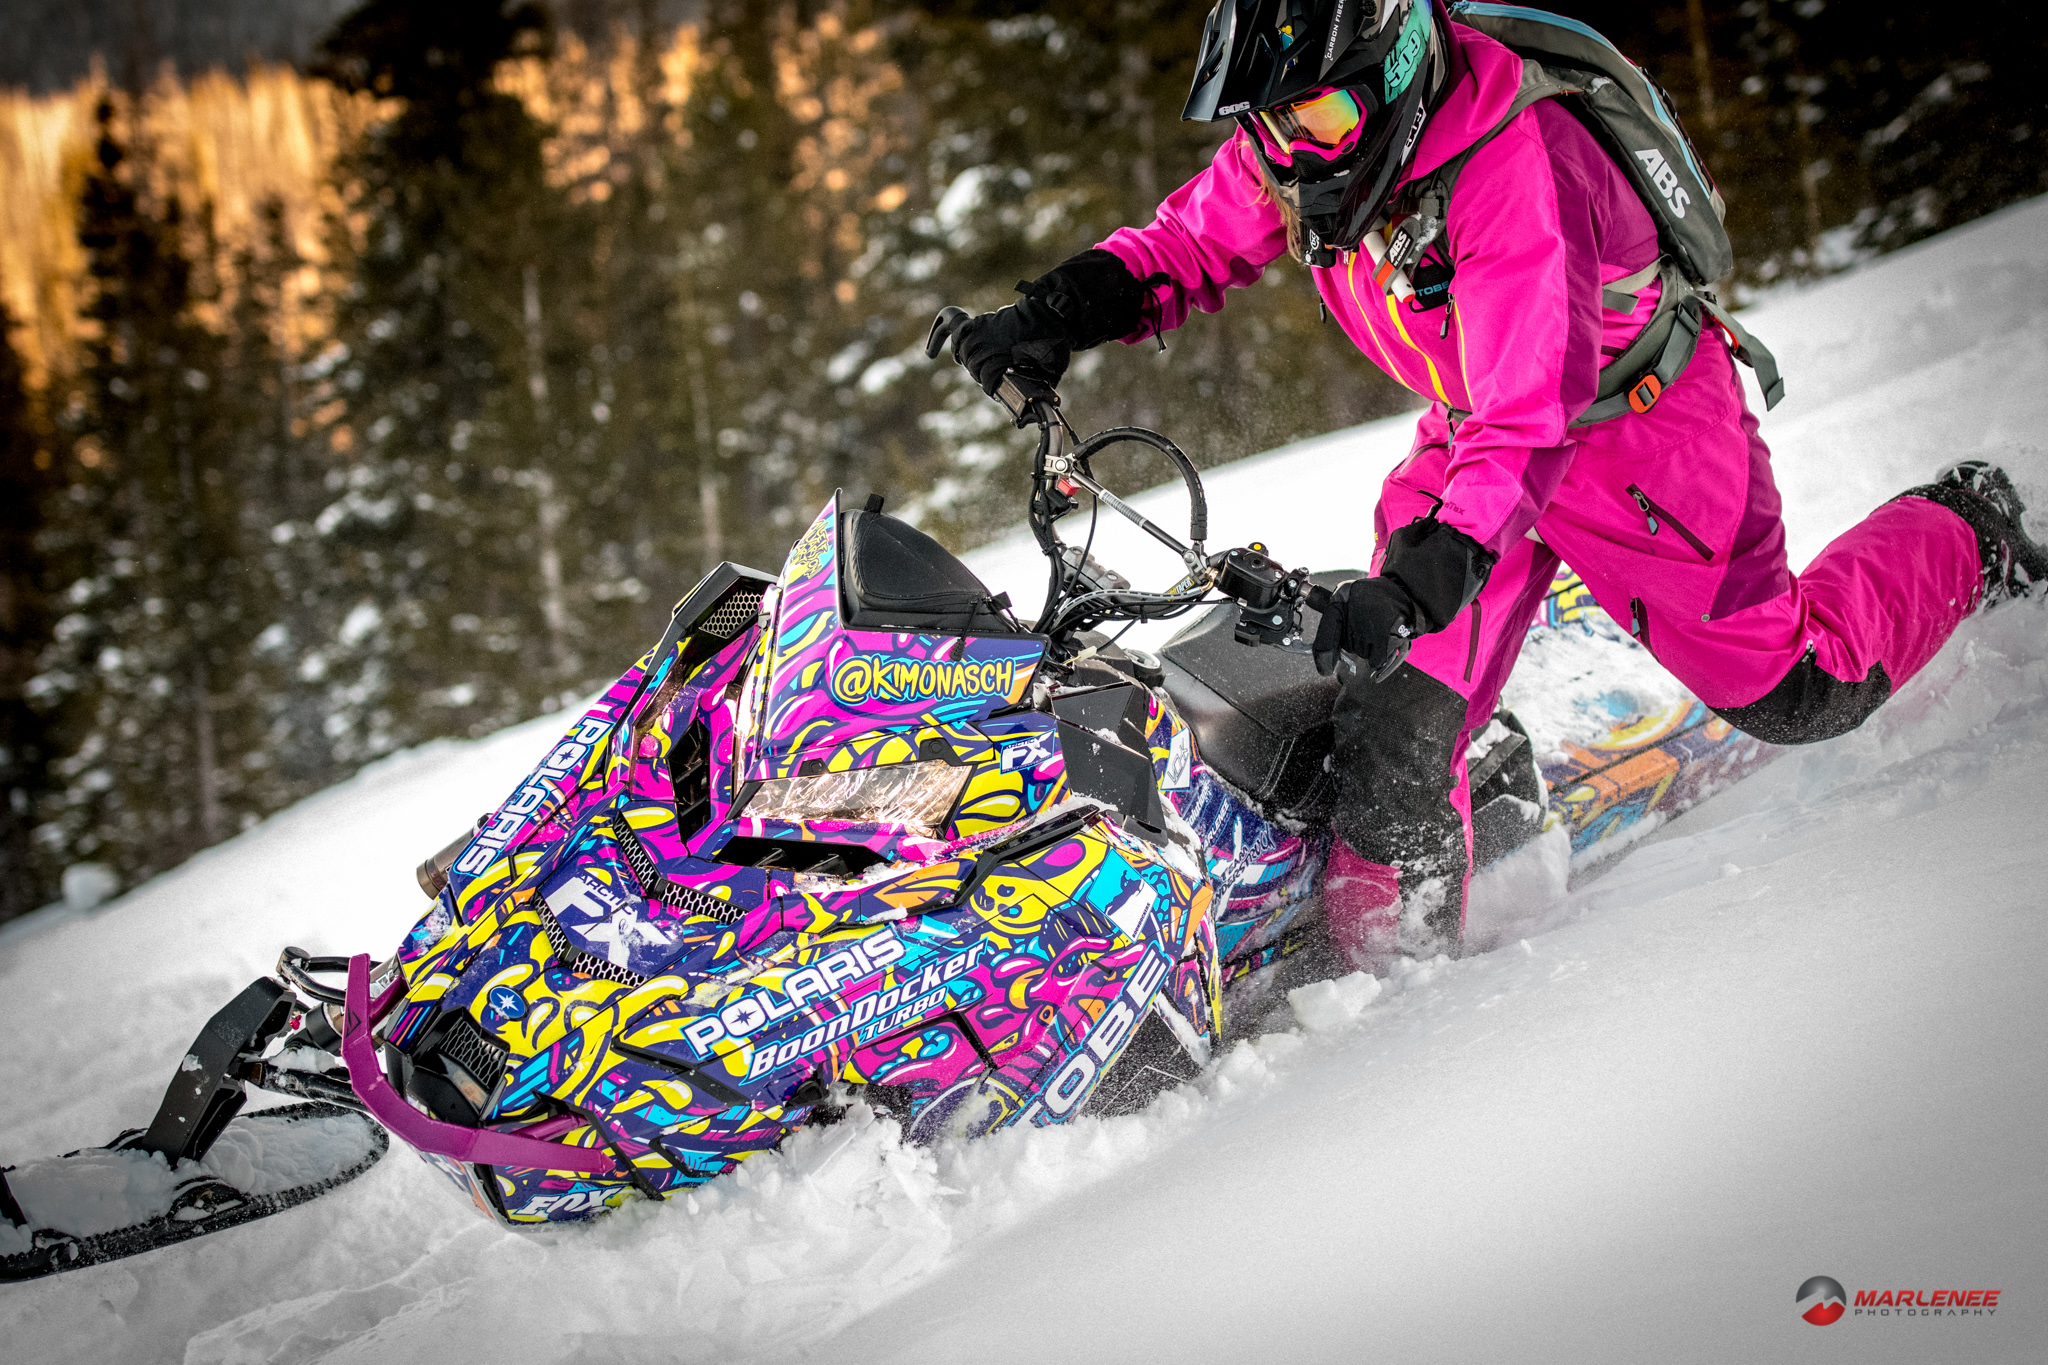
{"x":1809,"y":705}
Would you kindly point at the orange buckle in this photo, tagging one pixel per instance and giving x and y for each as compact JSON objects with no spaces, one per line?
{"x":1645,"y":394}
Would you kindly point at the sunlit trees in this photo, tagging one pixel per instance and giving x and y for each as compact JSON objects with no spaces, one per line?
{"x":451,"y":440}
{"x":161,"y":604}
{"x":603,"y":298}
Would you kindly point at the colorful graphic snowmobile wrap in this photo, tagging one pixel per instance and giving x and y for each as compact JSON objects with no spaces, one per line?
{"x":1647,"y":765}
{"x":781,"y":854}
{"x":598,"y":975}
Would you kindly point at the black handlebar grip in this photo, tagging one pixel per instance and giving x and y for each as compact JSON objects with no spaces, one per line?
{"x":1198,"y":509}
{"x":943,"y":326}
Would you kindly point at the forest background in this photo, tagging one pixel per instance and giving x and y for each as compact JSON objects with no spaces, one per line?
{"x":376,"y":373}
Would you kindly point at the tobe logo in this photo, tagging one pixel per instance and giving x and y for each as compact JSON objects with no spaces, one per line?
{"x":1666,"y":180}
{"x":1071,"y":1083}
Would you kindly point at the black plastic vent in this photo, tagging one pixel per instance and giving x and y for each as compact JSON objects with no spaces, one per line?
{"x":689,"y":772}
{"x":688,"y":899}
{"x":466,"y":1045}
{"x":800,"y":855}
{"x":733,"y":615}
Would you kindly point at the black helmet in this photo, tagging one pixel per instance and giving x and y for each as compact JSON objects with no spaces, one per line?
{"x":1334,"y":94}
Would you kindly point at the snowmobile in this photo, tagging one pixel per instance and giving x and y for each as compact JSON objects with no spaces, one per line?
{"x":856,"y":829}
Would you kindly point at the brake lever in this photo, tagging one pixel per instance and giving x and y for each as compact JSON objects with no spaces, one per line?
{"x":1028,"y":398}
{"x":941,"y":335}
{"x":1024,"y":394}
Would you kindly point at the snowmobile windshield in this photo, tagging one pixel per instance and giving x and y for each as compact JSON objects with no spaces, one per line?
{"x":879,"y":637}
{"x":894,"y":576}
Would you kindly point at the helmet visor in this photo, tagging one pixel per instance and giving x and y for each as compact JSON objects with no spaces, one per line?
{"x":1328,"y":120}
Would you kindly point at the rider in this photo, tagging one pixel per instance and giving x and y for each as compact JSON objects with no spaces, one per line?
{"x":1670,"y":514}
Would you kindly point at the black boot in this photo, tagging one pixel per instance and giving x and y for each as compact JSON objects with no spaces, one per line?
{"x":1982,"y":495}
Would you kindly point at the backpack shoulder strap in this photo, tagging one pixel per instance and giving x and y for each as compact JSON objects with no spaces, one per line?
{"x":1748,"y":350}
{"x":1634,"y":380}
{"x":1429,"y":198}
{"x":1539,"y":82}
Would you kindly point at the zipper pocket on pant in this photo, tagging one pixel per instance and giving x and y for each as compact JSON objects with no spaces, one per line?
{"x":1472,"y":648}
{"x":1651,"y":515}
{"x":1639,"y":622}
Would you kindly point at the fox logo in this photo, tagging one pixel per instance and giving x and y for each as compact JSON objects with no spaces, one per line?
{"x":1666,"y":180}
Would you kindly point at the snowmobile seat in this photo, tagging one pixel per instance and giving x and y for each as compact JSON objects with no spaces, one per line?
{"x":895,"y":577}
{"x":1260,"y":714}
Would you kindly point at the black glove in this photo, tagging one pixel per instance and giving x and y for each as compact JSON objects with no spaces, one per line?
{"x":1431,"y":572}
{"x":1028,"y":337}
{"x":1083,"y":301}
{"x":1368,"y":617}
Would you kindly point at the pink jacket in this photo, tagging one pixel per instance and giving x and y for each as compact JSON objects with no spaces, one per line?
{"x":1540,"y":219}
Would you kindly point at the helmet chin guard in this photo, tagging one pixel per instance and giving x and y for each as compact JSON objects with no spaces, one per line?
{"x":1391,"y":55}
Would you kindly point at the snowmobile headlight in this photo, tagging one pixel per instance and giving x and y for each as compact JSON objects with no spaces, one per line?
{"x":914,"y":795}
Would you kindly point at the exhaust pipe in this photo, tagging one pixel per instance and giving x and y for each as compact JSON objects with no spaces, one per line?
{"x":433,"y":873}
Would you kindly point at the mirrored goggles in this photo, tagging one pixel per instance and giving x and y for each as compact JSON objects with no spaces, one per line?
{"x":1323,"y":120}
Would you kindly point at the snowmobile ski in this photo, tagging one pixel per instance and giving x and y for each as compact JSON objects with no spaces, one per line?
{"x":103,"y":1203}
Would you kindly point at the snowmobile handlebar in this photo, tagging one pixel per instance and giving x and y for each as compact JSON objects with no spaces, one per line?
{"x":1269,"y":594}
{"x":1031,"y":399}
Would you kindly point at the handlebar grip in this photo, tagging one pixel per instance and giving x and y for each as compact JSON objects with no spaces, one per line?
{"x":943,"y":326}
{"x":1198,"y":511}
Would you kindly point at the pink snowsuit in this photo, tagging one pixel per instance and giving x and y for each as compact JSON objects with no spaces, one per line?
{"x":1670,"y":516}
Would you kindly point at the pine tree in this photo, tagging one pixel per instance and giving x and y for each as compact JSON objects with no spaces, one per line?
{"x":25,"y":620}
{"x":753,"y":284}
{"x":278,"y":478}
{"x":642,"y":519}
{"x":456,"y":448}
{"x":158,"y":631}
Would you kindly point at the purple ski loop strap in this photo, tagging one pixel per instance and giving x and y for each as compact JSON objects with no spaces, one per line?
{"x":388,"y":1107}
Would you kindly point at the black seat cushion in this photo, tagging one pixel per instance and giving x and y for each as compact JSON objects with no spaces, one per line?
{"x":895,"y":577}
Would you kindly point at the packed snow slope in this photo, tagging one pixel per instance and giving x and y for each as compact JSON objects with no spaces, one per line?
{"x":1800,"y":1032}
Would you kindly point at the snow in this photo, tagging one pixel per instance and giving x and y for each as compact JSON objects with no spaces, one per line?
{"x":96,"y":1190}
{"x":1797,"y":1031}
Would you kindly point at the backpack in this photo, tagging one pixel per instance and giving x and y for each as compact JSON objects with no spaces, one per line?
{"x":1632,"y":120}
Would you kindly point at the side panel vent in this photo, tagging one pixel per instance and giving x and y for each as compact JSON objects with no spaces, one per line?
{"x":572,"y":958}
{"x":733,"y":615}
{"x":688,"y":899}
{"x":689,"y":770}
